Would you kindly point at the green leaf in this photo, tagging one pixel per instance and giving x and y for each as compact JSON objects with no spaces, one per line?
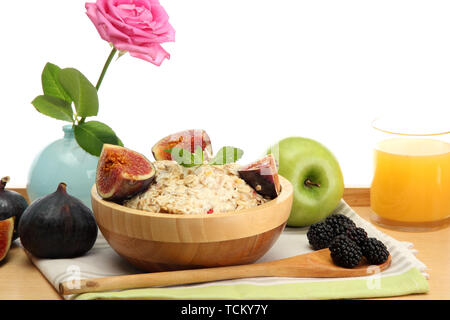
{"x":197,"y":156}
{"x":186,"y":158}
{"x":92,"y":135}
{"x":80,"y":90}
{"x":50,"y":83}
{"x":227,"y":155}
{"x":53,"y":107}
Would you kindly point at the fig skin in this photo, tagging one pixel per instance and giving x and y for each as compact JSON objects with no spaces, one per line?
{"x":122,"y":173}
{"x":12,"y":204}
{"x":6,"y":236}
{"x":58,"y":226}
{"x":262,"y":175}
{"x":188,"y":140}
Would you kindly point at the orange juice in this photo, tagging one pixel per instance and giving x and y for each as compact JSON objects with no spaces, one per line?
{"x":411,"y":183}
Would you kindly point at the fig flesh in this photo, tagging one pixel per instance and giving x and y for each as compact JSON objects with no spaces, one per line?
{"x":262,"y":175}
{"x":6,"y":236}
{"x":58,"y":226}
{"x":12,"y":204}
{"x":188,"y":140}
{"x":122,"y":173}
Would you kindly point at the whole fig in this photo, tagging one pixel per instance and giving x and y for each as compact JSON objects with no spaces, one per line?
{"x":58,"y":226}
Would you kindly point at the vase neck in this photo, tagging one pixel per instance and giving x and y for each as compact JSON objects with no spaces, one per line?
{"x":68,"y":131}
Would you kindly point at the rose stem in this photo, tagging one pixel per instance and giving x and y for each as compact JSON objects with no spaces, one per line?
{"x":105,"y":67}
{"x":102,"y":75}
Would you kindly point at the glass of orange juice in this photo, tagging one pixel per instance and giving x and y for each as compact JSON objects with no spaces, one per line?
{"x":410,"y":189}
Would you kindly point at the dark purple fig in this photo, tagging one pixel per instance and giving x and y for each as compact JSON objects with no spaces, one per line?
{"x":58,"y":226}
{"x":262,"y":175}
{"x":12,"y":204}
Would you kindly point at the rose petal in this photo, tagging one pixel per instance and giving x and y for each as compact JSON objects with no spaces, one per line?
{"x":92,"y":13}
{"x":151,"y":34}
{"x":108,"y":8}
{"x":107,"y":31}
{"x":155,"y":54}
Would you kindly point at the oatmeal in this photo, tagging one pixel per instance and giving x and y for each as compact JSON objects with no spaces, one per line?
{"x":196,"y":190}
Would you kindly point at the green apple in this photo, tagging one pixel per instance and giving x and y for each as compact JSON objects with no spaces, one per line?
{"x":315,"y":175}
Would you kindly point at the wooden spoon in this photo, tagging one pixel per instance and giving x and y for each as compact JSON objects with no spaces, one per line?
{"x":317,"y":264}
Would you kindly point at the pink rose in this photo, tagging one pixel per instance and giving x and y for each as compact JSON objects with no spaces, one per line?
{"x":136,"y":26}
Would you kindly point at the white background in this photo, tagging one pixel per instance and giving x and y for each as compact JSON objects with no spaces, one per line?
{"x":248,"y":71}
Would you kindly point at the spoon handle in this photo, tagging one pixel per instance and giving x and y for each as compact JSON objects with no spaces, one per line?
{"x":167,"y":278}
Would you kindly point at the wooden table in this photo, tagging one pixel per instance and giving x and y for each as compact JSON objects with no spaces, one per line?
{"x":19,"y":279}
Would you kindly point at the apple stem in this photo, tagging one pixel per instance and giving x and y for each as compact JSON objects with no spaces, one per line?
{"x":309,"y":183}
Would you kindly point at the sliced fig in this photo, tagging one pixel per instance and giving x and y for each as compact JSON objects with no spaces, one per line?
{"x":188,"y":140}
{"x":122,"y":173}
{"x":262,"y":175}
{"x":6,"y":235}
{"x":12,"y":204}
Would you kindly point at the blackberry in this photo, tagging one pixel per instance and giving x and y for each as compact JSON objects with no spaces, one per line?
{"x":339,"y":223}
{"x":375,"y":251}
{"x":345,"y":252}
{"x":359,"y":235}
{"x":320,"y":235}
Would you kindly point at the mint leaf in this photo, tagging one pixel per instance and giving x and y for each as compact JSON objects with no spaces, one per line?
{"x":227,"y":155}
{"x":186,"y":158}
{"x":92,"y":135}
{"x":54,"y":107}
{"x":50,"y":83}
{"x":197,"y":156}
{"x":179,"y":155}
{"x":80,"y":90}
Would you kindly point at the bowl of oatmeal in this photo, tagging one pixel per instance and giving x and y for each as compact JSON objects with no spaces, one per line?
{"x":192,"y":217}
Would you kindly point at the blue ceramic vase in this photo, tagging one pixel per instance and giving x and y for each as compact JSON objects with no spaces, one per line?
{"x":63,"y":161}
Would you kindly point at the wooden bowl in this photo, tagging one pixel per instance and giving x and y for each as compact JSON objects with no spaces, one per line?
{"x":161,"y":241}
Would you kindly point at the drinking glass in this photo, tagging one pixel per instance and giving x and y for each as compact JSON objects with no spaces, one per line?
{"x":410,"y":189}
